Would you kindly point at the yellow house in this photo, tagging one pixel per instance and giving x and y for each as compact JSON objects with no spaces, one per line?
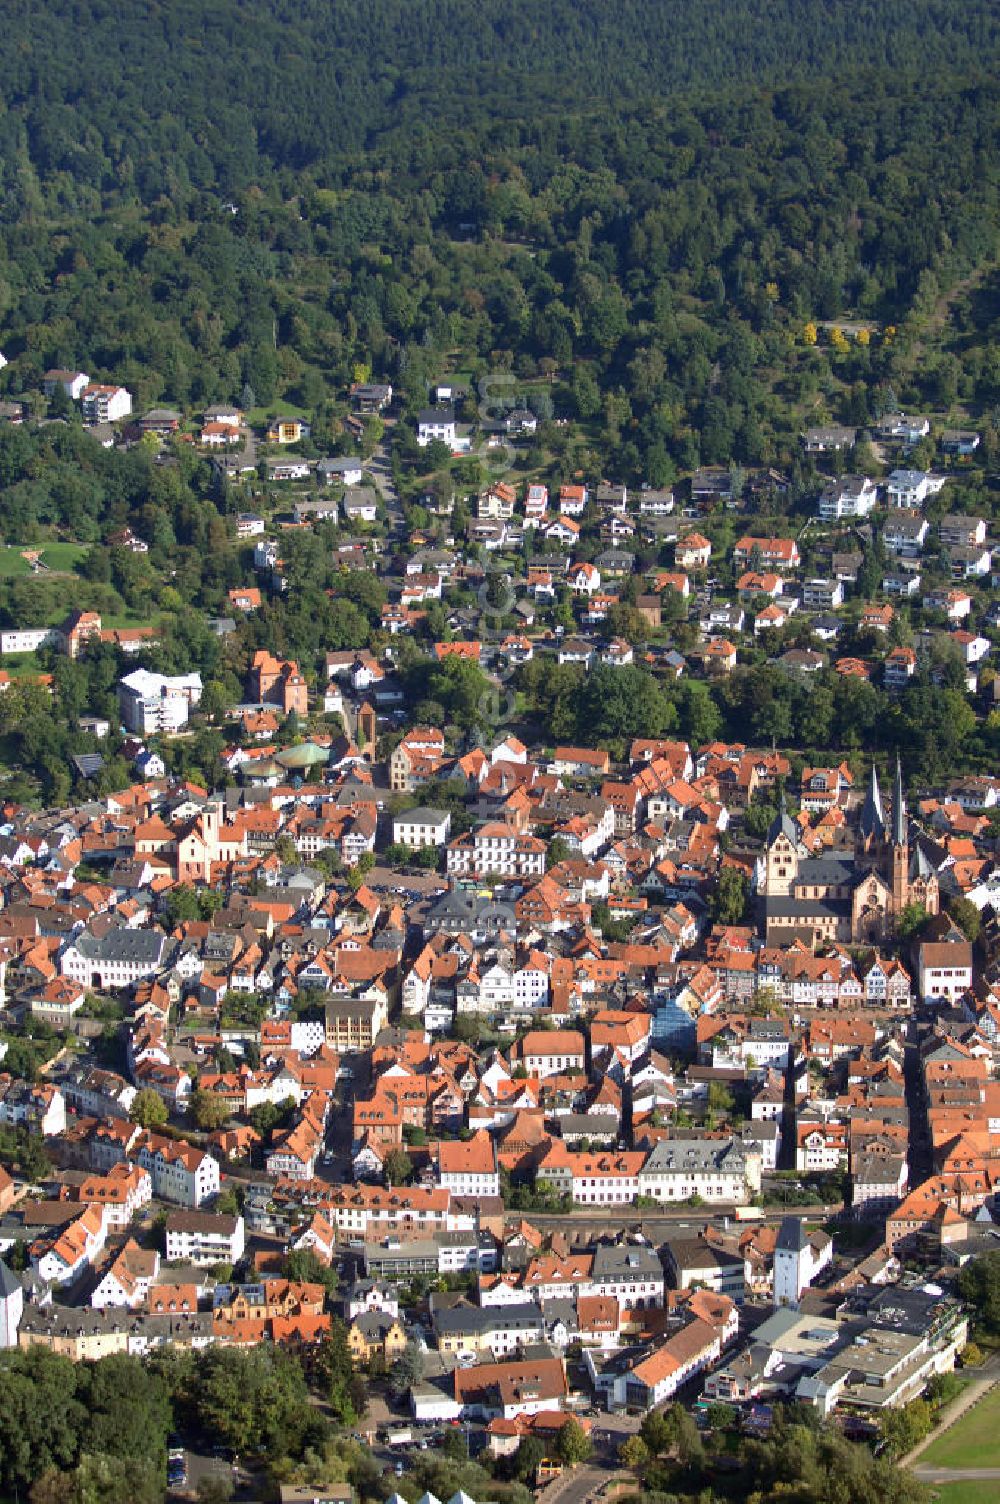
{"x":375,"y":1334}
{"x":84,"y":1336}
{"x":466,"y":1341}
{"x":287,"y":431}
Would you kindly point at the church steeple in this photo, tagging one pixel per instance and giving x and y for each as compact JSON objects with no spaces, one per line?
{"x":899,"y":821}
{"x":900,"y":845}
{"x":783,"y":825}
{"x":872,"y":825}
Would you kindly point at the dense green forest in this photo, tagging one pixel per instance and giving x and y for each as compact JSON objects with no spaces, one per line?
{"x":178,"y":94}
{"x":662,"y":261}
{"x":646,"y":204}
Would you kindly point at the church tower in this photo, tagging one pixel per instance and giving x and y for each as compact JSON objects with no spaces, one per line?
{"x":900,"y":846}
{"x":871,"y":827}
{"x":782,"y":859}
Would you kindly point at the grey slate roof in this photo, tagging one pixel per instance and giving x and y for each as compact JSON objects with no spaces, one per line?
{"x":9,"y":1282}
{"x":142,"y":947}
{"x":625,"y":1261}
{"x":675,"y":1155}
{"x":791,"y":1236}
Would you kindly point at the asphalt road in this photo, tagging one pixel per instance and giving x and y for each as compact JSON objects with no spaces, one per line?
{"x":379,"y":469}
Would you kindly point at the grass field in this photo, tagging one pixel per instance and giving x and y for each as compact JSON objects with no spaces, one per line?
{"x":64,"y":556}
{"x":117,"y":621}
{"x":973,"y":1441}
{"x":258,"y":416}
{"x":60,"y":556}
{"x":12,"y":564}
{"x":975,"y":1491}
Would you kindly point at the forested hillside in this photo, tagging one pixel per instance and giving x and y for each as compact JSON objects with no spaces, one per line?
{"x":101,"y":101}
{"x":662,"y":262}
{"x":651,"y":209}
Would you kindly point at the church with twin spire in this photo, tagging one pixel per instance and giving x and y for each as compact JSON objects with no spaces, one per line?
{"x":853,"y":896}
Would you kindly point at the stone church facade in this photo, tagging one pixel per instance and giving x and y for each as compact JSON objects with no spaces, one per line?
{"x":853,"y":897}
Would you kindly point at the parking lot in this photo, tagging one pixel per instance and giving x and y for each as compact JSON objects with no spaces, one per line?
{"x":205,"y":1465}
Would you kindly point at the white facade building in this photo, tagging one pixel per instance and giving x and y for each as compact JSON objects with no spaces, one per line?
{"x":417,"y":828}
{"x":180,"y":1173}
{"x":911,"y":488}
{"x":203,"y":1238}
{"x":105,"y":404}
{"x":718,"y":1171}
{"x":27,"y":639}
{"x":798,"y":1258}
{"x":436,"y":423}
{"x":157,"y":702}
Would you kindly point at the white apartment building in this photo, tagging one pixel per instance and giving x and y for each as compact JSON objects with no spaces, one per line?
{"x":945,"y":971}
{"x":470,"y":1168}
{"x":119,"y":958}
{"x":823,"y":595}
{"x":911,"y":488}
{"x":719,"y":1171}
{"x":518,"y":988}
{"x":203,"y":1238}
{"x":180,"y":1172}
{"x":606,"y":1179}
{"x":27,"y":639}
{"x":151,"y":702}
{"x":105,"y":404}
{"x":436,"y":423}
{"x":629,"y":1273}
{"x":850,"y":496}
{"x":100,"y":1094}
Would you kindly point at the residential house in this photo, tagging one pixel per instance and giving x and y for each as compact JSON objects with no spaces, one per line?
{"x":287,"y":429}
{"x":829,"y":439}
{"x":436,"y":424}
{"x":848,"y":496}
{"x":909,"y":489}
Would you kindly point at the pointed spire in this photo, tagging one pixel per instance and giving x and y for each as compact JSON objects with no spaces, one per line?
{"x":872,"y":818}
{"x":899,"y":822}
{"x":783,"y":824}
